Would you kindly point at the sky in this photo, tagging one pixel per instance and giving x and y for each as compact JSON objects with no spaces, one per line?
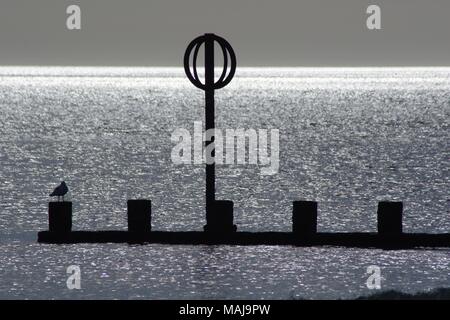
{"x":262,"y":32}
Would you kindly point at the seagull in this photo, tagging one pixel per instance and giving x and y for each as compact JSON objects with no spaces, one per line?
{"x":60,"y":191}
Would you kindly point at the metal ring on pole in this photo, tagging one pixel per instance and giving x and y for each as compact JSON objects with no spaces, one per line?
{"x":227,"y":50}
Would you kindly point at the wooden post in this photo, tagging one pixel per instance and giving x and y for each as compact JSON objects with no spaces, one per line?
{"x":220,"y":220}
{"x":390,"y":218}
{"x":60,"y":216}
{"x":304,"y":217}
{"x":139,"y":215}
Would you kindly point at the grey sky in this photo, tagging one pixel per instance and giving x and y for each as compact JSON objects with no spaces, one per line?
{"x":263,"y":32}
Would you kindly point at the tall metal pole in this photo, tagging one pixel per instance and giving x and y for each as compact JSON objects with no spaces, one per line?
{"x":219,"y":214}
{"x":209,"y":120}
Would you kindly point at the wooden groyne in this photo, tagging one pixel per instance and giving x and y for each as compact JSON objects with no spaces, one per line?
{"x":304,"y":231}
{"x":358,"y":240}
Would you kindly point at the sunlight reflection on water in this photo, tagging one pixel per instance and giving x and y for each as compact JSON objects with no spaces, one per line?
{"x":348,"y":138}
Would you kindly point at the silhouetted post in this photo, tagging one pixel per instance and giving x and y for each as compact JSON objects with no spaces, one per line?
{"x":222,"y":220}
{"x":214,"y":209}
{"x":60,"y":216}
{"x":209,"y":119}
{"x":139,"y":215}
{"x":304,"y":217}
{"x":390,"y":218}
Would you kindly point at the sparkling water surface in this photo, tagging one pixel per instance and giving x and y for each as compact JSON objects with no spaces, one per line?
{"x":348,"y":139}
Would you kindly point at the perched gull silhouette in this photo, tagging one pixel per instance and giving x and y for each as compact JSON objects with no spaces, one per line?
{"x":60,"y":191}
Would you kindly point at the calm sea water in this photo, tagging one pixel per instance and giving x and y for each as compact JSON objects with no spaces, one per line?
{"x":348,"y":139}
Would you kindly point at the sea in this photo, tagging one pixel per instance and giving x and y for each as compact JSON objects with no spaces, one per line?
{"x":348,"y":138}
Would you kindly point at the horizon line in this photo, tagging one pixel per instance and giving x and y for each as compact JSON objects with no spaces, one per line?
{"x":245,"y":66}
